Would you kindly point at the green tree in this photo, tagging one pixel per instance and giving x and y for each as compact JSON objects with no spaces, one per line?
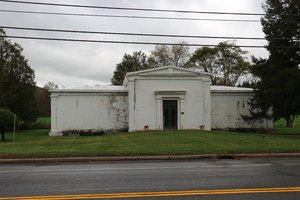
{"x":17,"y":86}
{"x":135,"y":62}
{"x":43,"y":100}
{"x":42,"y":97}
{"x":174,"y":55}
{"x":279,"y":75}
{"x":50,"y":86}
{"x":7,"y":121}
{"x":225,"y":61}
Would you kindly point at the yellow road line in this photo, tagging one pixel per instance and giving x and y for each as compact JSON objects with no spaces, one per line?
{"x":158,"y":194}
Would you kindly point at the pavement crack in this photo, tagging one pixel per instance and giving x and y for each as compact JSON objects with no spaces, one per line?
{"x":286,"y":173}
{"x":281,"y":169}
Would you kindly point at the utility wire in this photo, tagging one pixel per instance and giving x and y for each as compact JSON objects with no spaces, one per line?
{"x":139,"y":34}
{"x":140,"y":43}
{"x":128,"y":16}
{"x":135,"y":34}
{"x":131,"y":8}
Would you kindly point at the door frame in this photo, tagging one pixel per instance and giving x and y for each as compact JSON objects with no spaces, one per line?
{"x":178,"y":95}
{"x":177,"y":114}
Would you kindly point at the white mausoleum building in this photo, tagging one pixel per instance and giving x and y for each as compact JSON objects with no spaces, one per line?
{"x":154,"y":99}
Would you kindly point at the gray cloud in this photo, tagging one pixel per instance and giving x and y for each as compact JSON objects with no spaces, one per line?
{"x":78,"y":64}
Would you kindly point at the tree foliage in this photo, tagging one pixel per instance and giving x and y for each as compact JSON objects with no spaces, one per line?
{"x":279,"y":75}
{"x":50,"y":86}
{"x":225,"y":61}
{"x":162,"y":55}
{"x":17,"y":85}
{"x":135,"y":62}
{"x":42,"y":97}
{"x":165,"y":55}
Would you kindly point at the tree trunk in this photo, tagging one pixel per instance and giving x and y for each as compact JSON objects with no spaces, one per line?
{"x":290,"y":121}
{"x":2,"y":135}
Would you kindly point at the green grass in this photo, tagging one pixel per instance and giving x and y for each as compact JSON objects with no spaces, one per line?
{"x":280,"y":127}
{"x":37,"y":143}
{"x":282,"y":123}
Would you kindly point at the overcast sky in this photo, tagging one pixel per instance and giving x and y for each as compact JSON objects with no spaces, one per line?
{"x":74,"y":64}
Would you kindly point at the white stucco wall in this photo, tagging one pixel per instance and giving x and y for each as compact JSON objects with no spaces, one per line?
{"x":139,"y":103}
{"x":146,"y":94}
{"x":89,"y":110}
{"x":227,"y":106}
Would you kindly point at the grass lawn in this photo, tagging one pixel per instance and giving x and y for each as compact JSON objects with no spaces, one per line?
{"x":37,"y":143}
{"x":282,"y":122}
{"x":280,"y":127}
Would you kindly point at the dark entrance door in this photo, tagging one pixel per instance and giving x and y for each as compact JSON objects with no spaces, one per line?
{"x":170,"y":114}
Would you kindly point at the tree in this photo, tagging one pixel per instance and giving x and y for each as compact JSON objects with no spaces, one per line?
{"x":225,"y":61}
{"x":17,"y":85}
{"x":50,"y":86}
{"x":135,"y":62}
{"x":206,"y":59}
{"x":279,"y":75}
{"x":42,"y":97}
{"x":7,"y":121}
{"x":164,"y":55}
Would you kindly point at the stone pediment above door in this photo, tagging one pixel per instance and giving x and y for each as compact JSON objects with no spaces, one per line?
{"x":169,"y":71}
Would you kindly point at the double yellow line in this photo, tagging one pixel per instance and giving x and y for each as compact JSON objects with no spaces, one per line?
{"x":158,"y":194}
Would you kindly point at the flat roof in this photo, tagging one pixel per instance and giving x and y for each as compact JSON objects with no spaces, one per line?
{"x":99,"y":88}
{"x":115,"y":88}
{"x":217,"y":88}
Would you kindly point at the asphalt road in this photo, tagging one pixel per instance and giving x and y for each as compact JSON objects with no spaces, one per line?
{"x":201,"y":179}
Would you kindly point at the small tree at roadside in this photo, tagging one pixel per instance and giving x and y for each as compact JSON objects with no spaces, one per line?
{"x":7,"y":121}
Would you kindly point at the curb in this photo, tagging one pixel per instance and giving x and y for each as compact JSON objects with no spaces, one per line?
{"x":145,"y":158}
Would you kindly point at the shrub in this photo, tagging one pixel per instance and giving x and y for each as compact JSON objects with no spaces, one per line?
{"x":41,"y":123}
{"x":7,"y":121}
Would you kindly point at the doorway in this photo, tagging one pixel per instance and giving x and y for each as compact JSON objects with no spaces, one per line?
{"x":170,"y":114}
